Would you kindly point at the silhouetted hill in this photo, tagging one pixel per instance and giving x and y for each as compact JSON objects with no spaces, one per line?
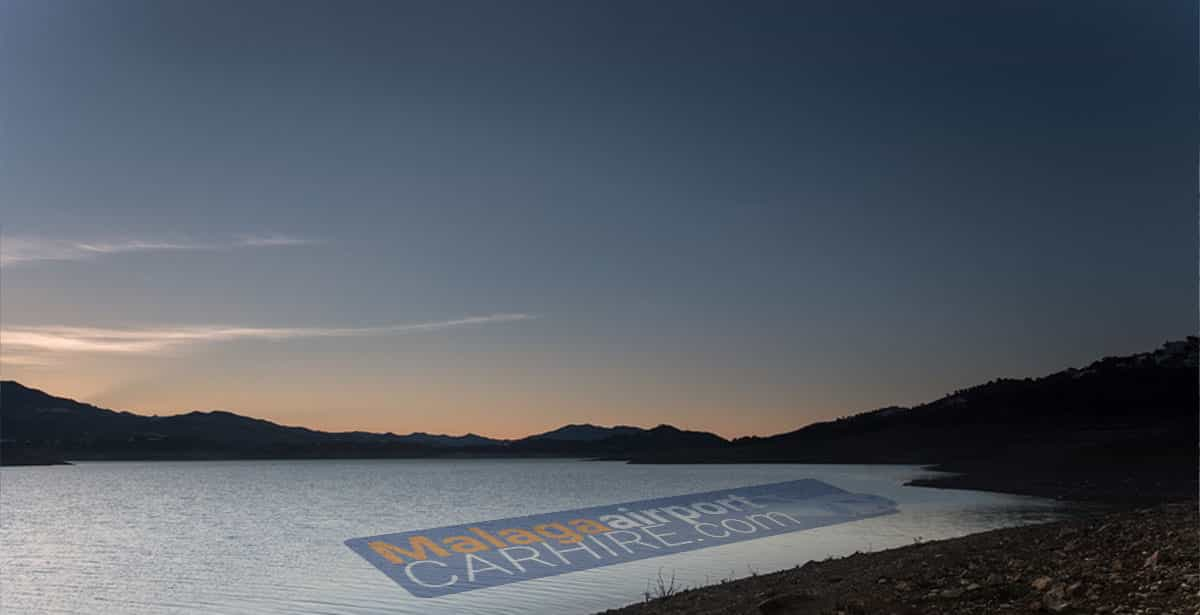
{"x":585,"y":432}
{"x":1133,"y":417}
{"x":620,"y":442}
{"x":464,"y":441}
{"x":41,"y":428}
{"x":35,"y":419}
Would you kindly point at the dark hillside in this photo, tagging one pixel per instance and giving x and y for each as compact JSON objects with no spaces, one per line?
{"x":1121,"y":421}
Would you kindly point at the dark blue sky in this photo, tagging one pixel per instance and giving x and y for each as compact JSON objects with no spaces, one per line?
{"x":733,"y":216}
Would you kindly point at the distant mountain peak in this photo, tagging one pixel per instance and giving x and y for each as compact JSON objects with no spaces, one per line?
{"x":585,"y":432}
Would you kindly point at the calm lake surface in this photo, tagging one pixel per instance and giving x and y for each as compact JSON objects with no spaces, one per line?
{"x":266,"y":536}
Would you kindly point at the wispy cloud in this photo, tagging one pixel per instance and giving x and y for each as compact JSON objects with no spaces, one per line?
{"x":39,"y":344}
{"x":268,"y":241}
{"x":16,"y":250}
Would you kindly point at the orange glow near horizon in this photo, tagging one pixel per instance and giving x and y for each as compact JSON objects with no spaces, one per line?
{"x":430,"y":411}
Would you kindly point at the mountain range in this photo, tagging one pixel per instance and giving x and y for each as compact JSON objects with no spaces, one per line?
{"x":1122,"y":428}
{"x":33,"y":420}
{"x":1132,"y":409}
{"x":1152,"y":394}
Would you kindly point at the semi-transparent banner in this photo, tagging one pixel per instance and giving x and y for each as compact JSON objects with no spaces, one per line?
{"x":459,"y":558}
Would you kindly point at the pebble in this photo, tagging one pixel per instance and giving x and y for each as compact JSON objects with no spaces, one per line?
{"x":1152,"y":561}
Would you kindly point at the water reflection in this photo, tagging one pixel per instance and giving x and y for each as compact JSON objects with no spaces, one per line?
{"x":266,"y":536}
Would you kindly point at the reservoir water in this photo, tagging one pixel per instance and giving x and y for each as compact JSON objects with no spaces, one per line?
{"x":267,"y":536}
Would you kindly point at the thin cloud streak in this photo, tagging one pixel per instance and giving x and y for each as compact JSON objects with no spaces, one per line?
{"x":22,"y":360}
{"x":37,"y":343}
{"x":20,"y":249}
{"x":270,"y":241}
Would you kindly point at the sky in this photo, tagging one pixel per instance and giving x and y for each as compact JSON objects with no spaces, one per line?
{"x":500,"y":217}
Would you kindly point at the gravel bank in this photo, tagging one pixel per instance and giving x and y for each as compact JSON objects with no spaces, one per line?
{"x":1143,"y":561}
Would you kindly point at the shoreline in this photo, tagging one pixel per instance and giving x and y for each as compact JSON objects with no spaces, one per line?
{"x":1109,"y":486}
{"x":1140,"y":560}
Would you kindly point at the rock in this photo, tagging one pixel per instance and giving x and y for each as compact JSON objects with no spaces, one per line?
{"x":972,"y":587}
{"x":785,"y":603}
{"x":1041,"y":583}
{"x":952,"y":593}
{"x":1073,"y":588}
{"x":1152,"y":561}
{"x":1055,"y":600}
{"x":902,"y":586}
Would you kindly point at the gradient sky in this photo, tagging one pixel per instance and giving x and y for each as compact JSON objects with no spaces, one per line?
{"x":501,"y":217}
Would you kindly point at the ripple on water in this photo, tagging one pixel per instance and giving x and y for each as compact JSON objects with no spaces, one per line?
{"x":266,"y":536}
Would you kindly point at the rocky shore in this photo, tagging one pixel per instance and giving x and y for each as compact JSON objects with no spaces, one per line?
{"x":1142,"y":561}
